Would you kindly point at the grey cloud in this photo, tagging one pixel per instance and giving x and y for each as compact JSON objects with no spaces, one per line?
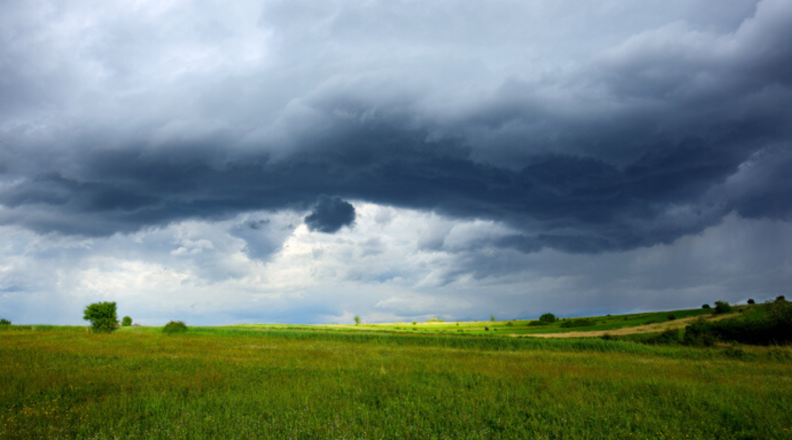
{"x":639,"y":141}
{"x":330,"y":214}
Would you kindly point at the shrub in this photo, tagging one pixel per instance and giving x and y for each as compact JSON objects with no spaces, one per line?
{"x":751,"y":301}
{"x":608,"y":337}
{"x":509,"y":324}
{"x":705,"y":306}
{"x":548,"y":318}
{"x":722,"y":307}
{"x":492,"y":318}
{"x":174,"y":327}
{"x":780,"y":298}
{"x":126,"y":322}
{"x":670,"y":336}
{"x":102,"y":316}
{"x":699,"y":334}
{"x":583,"y":322}
{"x":5,"y":322}
{"x":486,"y":329}
{"x":357,"y":320}
{"x":415,"y":323}
{"x":671,"y":317}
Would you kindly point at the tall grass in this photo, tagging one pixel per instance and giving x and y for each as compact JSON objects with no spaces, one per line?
{"x":244,"y":383}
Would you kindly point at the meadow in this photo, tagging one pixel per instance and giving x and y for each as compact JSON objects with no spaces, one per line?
{"x":328,"y":382}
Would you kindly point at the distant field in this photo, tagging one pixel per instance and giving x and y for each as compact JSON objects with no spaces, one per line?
{"x":499,"y":328}
{"x":372,"y":382}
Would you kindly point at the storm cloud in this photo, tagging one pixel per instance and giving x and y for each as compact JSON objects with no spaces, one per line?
{"x":583,"y":129}
{"x":330,"y":214}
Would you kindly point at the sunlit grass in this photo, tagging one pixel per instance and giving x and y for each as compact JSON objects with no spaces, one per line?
{"x":243,"y":382}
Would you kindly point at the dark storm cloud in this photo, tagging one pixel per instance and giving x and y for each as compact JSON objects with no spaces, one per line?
{"x":648,"y":140}
{"x":330,"y":214}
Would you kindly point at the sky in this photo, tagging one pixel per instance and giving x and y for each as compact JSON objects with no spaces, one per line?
{"x":308,"y":161}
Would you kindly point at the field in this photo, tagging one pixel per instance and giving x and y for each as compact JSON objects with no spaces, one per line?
{"x":382,"y":382}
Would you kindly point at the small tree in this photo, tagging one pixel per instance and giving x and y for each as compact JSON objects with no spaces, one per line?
{"x":492,"y":318}
{"x":174,"y":327}
{"x":5,"y":322}
{"x":126,"y":321}
{"x":780,"y":298}
{"x":722,"y":307}
{"x":357,"y":320}
{"x":706,"y":306}
{"x":751,"y":301}
{"x":548,"y":318}
{"x":102,"y":316}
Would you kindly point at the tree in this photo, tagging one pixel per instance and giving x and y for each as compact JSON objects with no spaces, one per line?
{"x":102,"y":316}
{"x":357,"y":320}
{"x":5,"y":322}
{"x":751,"y":301}
{"x":492,"y":318}
{"x":548,"y":318}
{"x":706,"y":306}
{"x":722,"y":307}
{"x":126,"y":322}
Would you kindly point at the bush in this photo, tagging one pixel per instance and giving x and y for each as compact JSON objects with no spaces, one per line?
{"x":751,"y":301}
{"x":671,"y":317}
{"x":780,"y":298}
{"x":583,"y":322}
{"x":772,"y":326}
{"x":5,"y":322}
{"x":174,"y":327}
{"x":670,"y":336}
{"x":492,"y":318}
{"x":699,"y":334}
{"x":126,"y":322}
{"x":706,"y":306}
{"x":509,"y":324}
{"x":102,"y":316}
{"x":486,"y":329}
{"x":722,"y":307}
{"x":548,"y":318}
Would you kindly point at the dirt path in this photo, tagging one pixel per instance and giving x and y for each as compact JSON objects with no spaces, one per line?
{"x":650,"y":328}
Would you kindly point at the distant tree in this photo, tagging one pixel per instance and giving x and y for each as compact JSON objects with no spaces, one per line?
{"x":706,"y":306}
{"x":357,"y":320}
{"x":751,"y":301}
{"x":5,"y":322}
{"x":415,"y":323}
{"x":780,"y":298}
{"x":548,"y":318}
{"x":492,"y":318}
{"x":102,"y":316}
{"x":174,"y":327}
{"x":722,"y":307}
{"x":126,"y":321}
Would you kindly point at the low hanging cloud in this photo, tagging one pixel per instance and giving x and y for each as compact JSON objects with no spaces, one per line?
{"x":330,"y":214}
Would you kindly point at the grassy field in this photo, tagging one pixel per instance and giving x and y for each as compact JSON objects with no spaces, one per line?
{"x":275,"y":382}
{"x":495,"y":328}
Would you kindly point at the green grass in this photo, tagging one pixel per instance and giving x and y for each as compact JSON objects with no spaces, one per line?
{"x":502,"y":328}
{"x":290,"y":382}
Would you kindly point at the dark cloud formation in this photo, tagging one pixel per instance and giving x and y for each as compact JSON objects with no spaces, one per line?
{"x":330,"y":214}
{"x":657,"y":135}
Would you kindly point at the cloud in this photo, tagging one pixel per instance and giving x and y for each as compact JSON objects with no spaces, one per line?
{"x":508,"y":130}
{"x":330,"y":214}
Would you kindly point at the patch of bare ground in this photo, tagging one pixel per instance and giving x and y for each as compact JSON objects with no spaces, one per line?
{"x":646,"y":328}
